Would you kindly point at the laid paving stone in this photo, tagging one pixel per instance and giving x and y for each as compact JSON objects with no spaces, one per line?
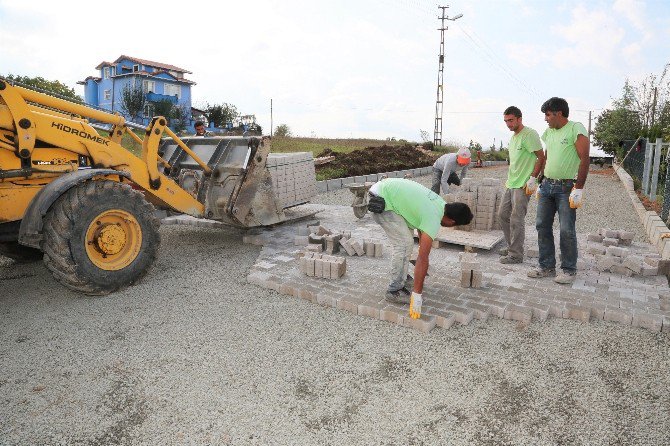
{"x":505,"y":292}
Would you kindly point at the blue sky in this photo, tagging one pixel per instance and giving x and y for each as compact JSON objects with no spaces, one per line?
{"x":364,"y":68}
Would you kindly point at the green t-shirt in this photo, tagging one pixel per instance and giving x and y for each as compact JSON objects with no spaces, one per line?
{"x":522,"y":148}
{"x":562,"y":158}
{"x":421,"y":208}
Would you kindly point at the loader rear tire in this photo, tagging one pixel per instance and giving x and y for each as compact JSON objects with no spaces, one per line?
{"x":100,"y":236}
{"x":20,"y":253}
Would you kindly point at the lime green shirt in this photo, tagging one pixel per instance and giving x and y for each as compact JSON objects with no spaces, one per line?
{"x":562,"y":158}
{"x":521,"y":149}
{"x":421,"y":208}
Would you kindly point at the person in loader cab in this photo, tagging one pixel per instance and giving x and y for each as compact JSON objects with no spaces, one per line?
{"x":399,"y":206}
{"x":200,"y":129}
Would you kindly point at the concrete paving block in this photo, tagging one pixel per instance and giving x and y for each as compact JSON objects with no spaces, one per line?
{"x":289,"y":288}
{"x":651,"y":322}
{"x":372,"y":178}
{"x":314,"y":247}
{"x":308,"y":293}
{"x":349,"y":303}
{"x":369,"y":247}
{"x":626,"y":235}
{"x":359,"y":179}
{"x":318,"y":267}
{"x":358,"y":247}
{"x":595,"y":238}
{"x":466,"y":278}
{"x":424,"y":324}
{"x":338,"y":268}
{"x":344,"y":243}
{"x":371,"y":309}
{"x":652,"y":260}
{"x":540,"y":311}
{"x":576,"y":312}
{"x":477,"y":279}
{"x":518,"y":313}
{"x":463,"y":315}
{"x":481,"y":311}
{"x":307,"y":266}
{"x":617,"y":251}
{"x":596,"y":249}
{"x":648,"y":270}
{"x":620,"y":269}
{"x":322,"y":186}
{"x":378,"y":249}
{"x":326,"y":299}
{"x":348,"y":180}
{"x":610,"y":241}
{"x":611,"y":233}
{"x":444,"y":319}
{"x":618,"y":315}
{"x":666,"y":324}
{"x":496,"y":307}
{"x":393,"y":314}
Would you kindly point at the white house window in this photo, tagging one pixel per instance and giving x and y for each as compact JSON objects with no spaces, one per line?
{"x":149,"y":110}
{"x":105,"y":72}
{"x":107,"y":94}
{"x":136,"y":67}
{"x":173,"y":90}
{"x":149,"y":86}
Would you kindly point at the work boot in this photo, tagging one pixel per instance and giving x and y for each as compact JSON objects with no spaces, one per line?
{"x":503,"y":252}
{"x":400,"y":296}
{"x":509,"y":259}
{"x":538,"y":273}
{"x":565,"y":278}
{"x":409,"y":283}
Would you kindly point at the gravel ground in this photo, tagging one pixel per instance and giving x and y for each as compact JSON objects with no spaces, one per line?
{"x":195,"y":355}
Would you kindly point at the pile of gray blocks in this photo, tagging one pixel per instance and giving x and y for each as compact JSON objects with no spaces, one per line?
{"x":609,"y":248}
{"x":293,"y":177}
{"x":319,"y":239}
{"x":323,"y":265}
{"x":483,"y":197}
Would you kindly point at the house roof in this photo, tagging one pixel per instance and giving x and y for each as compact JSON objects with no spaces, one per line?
{"x":153,"y":74}
{"x":150,"y":63}
{"x":97,"y":79}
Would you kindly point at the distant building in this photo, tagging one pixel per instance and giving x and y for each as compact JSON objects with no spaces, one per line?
{"x":159,"y":82}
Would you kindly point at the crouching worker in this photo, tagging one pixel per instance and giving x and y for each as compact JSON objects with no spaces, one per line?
{"x":400,"y":206}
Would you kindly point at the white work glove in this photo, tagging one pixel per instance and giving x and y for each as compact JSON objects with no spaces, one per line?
{"x":531,"y":186}
{"x":415,"y":302}
{"x":576,"y":199}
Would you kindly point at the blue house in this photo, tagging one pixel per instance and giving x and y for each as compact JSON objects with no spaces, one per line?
{"x":158,"y":81}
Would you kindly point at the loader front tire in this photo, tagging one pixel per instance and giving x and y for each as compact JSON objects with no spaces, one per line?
{"x":100,"y":236}
{"x":20,"y":253}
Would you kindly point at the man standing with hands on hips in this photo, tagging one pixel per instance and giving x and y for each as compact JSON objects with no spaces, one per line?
{"x":561,"y":191}
{"x":526,"y":158}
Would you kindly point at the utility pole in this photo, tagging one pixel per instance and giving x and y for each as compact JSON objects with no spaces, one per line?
{"x":270,"y":117}
{"x":589,"y":125}
{"x":437,"y":135}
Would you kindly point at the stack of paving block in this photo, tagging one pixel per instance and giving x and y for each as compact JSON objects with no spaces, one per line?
{"x":471,"y":270}
{"x":483,"y":198}
{"x":293,"y":177}
{"x":323,"y":265}
{"x":611,"y":256}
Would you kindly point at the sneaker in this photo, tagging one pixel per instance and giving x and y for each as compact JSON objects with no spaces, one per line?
{"x":538,"y":273}
{"x":503,"y":252}
{"x":409,"y":282}
{"x":565,"y":278}
{"x":400,"y":296}
{"x":510,"y":259}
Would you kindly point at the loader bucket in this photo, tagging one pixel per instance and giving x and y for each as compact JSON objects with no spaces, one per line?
{"x":240,"y":190}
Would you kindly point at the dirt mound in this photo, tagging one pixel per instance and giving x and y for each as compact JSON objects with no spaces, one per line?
{"x":376,"y":160}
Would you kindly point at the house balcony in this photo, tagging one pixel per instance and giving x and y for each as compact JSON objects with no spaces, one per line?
{"x":155,"y":97}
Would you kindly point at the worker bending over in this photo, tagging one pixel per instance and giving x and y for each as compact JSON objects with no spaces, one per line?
{"x":400,"y":206}
{"x":445,"y":168}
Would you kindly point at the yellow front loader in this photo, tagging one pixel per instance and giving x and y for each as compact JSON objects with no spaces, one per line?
{"x":86,"y":205}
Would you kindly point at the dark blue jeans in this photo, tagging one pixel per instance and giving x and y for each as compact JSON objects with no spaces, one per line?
{"x":553,"y":198}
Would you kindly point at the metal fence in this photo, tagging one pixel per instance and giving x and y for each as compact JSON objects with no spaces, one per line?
{"x":647,"y":163}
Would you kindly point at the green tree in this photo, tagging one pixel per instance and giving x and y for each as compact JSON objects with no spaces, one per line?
{"x":474,"y":146}
{"x":220,"y":114}
{"x":180,"y":117}
{"x":613,"y":126}
{"x":133,"y":100}
{"x":282,"y":130}
{"x":163,"y":107}
{"x":56,"y":88}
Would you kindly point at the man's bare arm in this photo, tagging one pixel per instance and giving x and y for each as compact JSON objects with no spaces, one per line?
{"x":421,"y":267}
{"x":582,"y":145}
